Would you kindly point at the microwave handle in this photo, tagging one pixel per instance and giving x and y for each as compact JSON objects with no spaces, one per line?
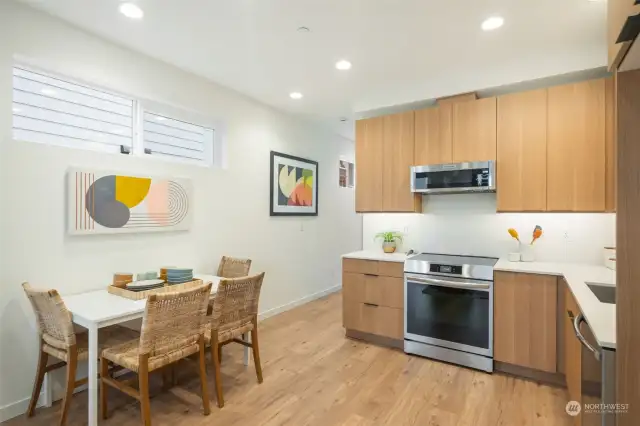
{"x":577,"y":320}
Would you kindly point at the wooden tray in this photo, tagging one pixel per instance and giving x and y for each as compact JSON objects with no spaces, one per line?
{"x":139,"y":295}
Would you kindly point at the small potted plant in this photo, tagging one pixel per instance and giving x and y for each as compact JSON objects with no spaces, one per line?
{"x":389,"y":239}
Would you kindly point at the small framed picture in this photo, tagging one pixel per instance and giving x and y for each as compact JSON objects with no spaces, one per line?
{"x":294,"y":186}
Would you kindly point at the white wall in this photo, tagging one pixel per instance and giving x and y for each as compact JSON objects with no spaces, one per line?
{"x":301,"y":257}
{"x":469,"y":224}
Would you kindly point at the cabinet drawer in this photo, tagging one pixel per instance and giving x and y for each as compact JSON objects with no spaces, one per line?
{"x":378,"y":320}
{"x":360,"y":266}
{"x":391,"y":269}
{"x":384,"y":291}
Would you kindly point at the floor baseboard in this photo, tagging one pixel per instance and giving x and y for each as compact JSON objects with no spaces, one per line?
{"x":287,"y":306}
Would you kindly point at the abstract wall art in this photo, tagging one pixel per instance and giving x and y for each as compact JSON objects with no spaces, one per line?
{"x":101,"y":202}
{"x":294,"y":186}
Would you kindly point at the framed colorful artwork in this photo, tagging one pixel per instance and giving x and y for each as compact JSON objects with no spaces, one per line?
{"x":102,"y":202}
{"x":294,"y":186}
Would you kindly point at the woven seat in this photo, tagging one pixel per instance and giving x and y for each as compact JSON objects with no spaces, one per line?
{"x":61,"y":339}
{"x":173,"y":328}
{"x":235,"y":312}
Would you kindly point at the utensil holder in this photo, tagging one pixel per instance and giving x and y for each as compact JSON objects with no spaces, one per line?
{"x":526,"y":253}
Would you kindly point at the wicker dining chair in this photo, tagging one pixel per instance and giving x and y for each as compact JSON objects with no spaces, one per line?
{"x":235,"y":312}
{"x":173,"y":328}
{"x":59,"y":339}
{"x":231,"y":267}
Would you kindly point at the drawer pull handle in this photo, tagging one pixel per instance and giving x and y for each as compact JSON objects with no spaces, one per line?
{"x":371,"y":275}
{"x":371,"y":304}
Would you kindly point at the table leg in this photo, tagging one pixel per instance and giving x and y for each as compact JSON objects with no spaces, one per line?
{"x":246,"y":337}
{"x":93,"y":376}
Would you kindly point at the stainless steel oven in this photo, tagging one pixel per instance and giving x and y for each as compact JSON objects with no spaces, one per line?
{"x":454,"y":178}
{"x":449,"y":309}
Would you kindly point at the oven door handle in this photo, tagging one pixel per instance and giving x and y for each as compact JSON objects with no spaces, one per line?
{"x":577,"y":320}
{"x":452,"y":284}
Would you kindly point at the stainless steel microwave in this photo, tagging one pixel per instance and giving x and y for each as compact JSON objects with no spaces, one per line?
{"x":454,"y":178}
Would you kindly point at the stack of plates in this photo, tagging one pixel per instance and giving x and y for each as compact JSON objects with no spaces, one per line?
{"x":145,"y":285}
{"x":179,"y":275}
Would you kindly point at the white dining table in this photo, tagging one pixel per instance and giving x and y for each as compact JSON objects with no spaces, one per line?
{"x":98,"y":309}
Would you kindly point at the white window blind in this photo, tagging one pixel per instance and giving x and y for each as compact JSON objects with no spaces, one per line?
{"x":175,"y":139}
{"x":53,"y":111}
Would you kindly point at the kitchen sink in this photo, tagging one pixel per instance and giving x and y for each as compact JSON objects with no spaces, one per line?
{"x":604,"y":293}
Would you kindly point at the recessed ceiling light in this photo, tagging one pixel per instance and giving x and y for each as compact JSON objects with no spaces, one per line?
{"x":295,"y":95}
{"x":131,"y":10}
{"x":48,"y":92}
{"x":492,"y":23}
{"x":303,"y":29}
{"x":343,"y":65}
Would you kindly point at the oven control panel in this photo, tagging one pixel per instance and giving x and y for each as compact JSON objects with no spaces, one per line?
{"x":446,"y":269}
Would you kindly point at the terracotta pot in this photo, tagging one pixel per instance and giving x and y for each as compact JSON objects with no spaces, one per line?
{"x":389,"y":247}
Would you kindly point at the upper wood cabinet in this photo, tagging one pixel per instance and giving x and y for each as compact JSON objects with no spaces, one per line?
{"x":611,"y":146}
{"x":434,"y":135}
{"x":525,"y":320}
{"x":617,"y":13}
{"x":474,"y":130}
{"x":576,"y":147}
{"x":398,"y":153}
{"x":369,"y":137}
{"x":522,"y":151}
{"x":384,"y":155}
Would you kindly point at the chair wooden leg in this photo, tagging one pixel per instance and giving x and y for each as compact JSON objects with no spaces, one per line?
{"x":216,"y":367}
{"x":220,"y":353}
{"x":72,"y":365}
{"x":43,"y":358}
{"x":104,"y":373}
{"x":143,"y":378}
{"x":256,"y":350}
{"x":203,"y":378}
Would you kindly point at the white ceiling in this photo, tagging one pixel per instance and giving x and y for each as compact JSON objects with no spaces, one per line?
{"x":402,"y":50}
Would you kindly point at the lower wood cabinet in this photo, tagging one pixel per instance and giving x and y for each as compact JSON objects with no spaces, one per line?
{"x":373,"y":298}
{"x":573,"y":349}
{"x":525,"y":320}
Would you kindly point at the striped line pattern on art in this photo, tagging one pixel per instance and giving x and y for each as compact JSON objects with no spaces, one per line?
{"x":84,"y":213}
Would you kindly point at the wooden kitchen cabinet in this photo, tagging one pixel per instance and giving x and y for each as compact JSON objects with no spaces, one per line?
{"x":576,"y":147}
{"x":474,"y":130}
{"x":522,"y":152}
{"x":398,"y":146}
{"x":525,"y":320}
{"x":611,"y":145}
{"x":572,"y":349}
{"x":369,"y":138}
{"x":434,"y":135}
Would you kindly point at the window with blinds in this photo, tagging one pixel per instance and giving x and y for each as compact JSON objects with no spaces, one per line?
{"x":175,"y":139}
{"x":54,"y":111}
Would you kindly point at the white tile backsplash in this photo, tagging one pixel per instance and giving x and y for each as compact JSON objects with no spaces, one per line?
{"x":469,"y":224}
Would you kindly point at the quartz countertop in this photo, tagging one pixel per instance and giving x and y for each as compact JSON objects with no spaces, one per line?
{"x":600,"y":316}
{"x":376,"y":255}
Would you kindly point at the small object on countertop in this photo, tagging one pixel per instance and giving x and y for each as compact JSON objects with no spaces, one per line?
{"x":514,"y":257}
{"x":609,"y":253}
{"x":121,"y":279}
{"x":513,"y":233}
{"x":537,"y":233}
{"x":526,"y":253}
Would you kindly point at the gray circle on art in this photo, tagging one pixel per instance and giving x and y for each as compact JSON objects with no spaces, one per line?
{"x":102,"y":204}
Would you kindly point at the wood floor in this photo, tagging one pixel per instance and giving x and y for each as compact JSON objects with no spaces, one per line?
{"x":313,"y":375}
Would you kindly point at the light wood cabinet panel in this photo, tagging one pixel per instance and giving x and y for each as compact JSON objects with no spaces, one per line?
{"x":360,"y":266}
{"x":572,"y":350}
{"x":434,"y":137}
{"x":525,"y":317}
{"x":398,"y":145}
{"x":353,"y":287}
{"x":369,"y":139}
{"x":611,"y":145}
{"x":384,"y":291}
{"x":522,"y":151}
{"x":576,"y":147}
{"x":391,"y":269}
{"x":474,"y":130}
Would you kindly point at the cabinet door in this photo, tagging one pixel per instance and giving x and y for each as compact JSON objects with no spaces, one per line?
{"x":611,"y":145}
{"x":369,"y":137}
{"x":522,"y":151}
{"x":572,"y":351}
{"x":433,"y":139}
{"x":397,"y":161}
{"x":576,"y":147}
{"x":474,"y":130}
{"x":525,"y":319}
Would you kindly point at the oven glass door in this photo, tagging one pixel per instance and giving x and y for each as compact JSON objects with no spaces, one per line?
{"x":454,"y":313}
{"x":452,"y":179}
